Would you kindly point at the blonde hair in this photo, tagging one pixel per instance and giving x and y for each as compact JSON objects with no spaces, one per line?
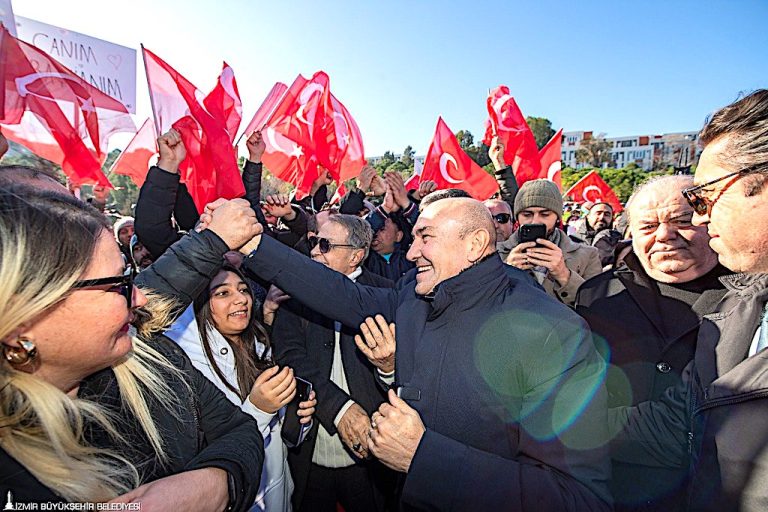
{"x":46,"y":242}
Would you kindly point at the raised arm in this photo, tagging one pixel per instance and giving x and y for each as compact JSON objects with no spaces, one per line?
{"x":310,"y":283}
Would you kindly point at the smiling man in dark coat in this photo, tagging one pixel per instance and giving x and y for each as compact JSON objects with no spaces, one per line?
{"x":502,"y":404}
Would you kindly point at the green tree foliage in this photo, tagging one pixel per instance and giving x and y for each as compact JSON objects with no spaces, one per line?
{"x":595,"y":152}
{"x":386,"y":160}
{"x":477,"y":152}
{"x":541,"y":128}
{"x":408,"y":154}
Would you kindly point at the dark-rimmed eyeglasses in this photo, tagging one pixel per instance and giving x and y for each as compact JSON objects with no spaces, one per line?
{"x":121,"y":284}
{"x":324,"y":244}
{"x":502,"y":218}
{"x":703,"y":205}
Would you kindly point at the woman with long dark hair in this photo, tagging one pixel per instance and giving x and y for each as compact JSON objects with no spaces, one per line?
{"x":229,"y":346}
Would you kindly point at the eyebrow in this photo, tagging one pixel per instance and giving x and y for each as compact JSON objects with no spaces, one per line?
{"x":228,"y":284}
{"x":422,"y":231}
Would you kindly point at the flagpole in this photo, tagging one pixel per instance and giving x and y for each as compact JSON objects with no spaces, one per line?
{"x":151,"y":96}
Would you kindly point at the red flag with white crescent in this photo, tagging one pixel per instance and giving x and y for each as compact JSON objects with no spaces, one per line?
{"x":551,"y":159}
{"x":310,"y":128}
{"x":210,"y":169}
{"x":134,"y":160}
{"x":506,"y":119}
{"x":450,"y":167}
{"x":592,"y":189}
{"x":56,"y":114}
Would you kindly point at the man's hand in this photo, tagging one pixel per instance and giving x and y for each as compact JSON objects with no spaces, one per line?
{"x":323,"y":178}
{"x":549,"y":255}
{"x":353,"y":429}
{"x":197,"y":490}
{"x":389,"y":204}
{"x":378,"y":186}
{"x":275,"y":297}
{"x":100,"y":194}
{"x":379,"y":345}
{"x":365,"y":178}
{"x":234,"y":221}
{"x":496,"y":153}
{"x":273,"y":389}
{"x":396,"y":431}
{"x":307,"y":409}
{"x":397,"y":186}
{"x":518,"y":257}
{"x":172,"y":151}
{"x":279,"y":205}
{"x":256,"y":147}
{"x":425,"y":188}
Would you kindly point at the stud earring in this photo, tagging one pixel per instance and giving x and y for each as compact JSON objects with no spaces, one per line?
{"x":22,"y":355}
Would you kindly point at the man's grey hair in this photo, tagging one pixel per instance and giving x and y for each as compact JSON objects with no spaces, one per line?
{"x":359,"y":232}
{"x":670,"y":184}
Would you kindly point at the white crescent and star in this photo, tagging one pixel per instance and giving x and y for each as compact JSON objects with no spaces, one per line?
{"x":497,"y":106}
{"x":444,"y":159}
{"x":304,"y":97}
{"x":272,"y":140}
{"x":554,"y":168}
{"x":586,"y":191}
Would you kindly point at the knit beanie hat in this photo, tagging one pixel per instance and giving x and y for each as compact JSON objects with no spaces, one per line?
{"x":121,"y":223}
{"x":540,"y":194}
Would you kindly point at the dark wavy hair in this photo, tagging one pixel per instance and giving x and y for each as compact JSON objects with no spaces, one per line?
{"x":248,"y":364}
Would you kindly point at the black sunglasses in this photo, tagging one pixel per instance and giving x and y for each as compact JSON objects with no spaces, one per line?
{"x":502,"y":218}
{"x":703,"y":205}
{"x":325,"y":244}
{"x":122,"y":284}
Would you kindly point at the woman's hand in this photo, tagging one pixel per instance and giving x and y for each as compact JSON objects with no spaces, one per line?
{"x":273,"y":389}
{"x":199,"y":490}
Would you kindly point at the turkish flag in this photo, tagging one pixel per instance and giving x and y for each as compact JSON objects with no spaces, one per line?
{"x":450,"y":167}
{"x":223,"y":102}
{"x":341,"y":191}
{"x":134,"y":160}
{"x":592,"y":189}
{"x":57,"y":115}
{"x":308,"y":129}
{"x":266,"y":109}
{"x":551,"y":157}
{"x":507,"y":121}
{"x":210,"y":169}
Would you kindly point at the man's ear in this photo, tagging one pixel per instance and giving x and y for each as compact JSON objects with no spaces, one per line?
{"x":479,"y":240}
{"x":399,"y":236}
{"x":357,"y":257}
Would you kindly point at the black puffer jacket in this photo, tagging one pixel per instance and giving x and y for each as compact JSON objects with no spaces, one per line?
{"x":203,"y":430}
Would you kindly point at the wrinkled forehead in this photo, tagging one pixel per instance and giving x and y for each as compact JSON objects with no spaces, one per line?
{"x":659,"y":204}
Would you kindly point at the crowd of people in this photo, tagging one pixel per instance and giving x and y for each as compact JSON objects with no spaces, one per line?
{"x":402,"y":350}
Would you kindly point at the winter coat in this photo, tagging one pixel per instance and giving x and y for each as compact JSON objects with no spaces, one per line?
{"x":648,"y":339}
{"x":304,"y":340}
{"x":204,"y":430}
{"x":714,"y":421}
{"x":506,"y":380}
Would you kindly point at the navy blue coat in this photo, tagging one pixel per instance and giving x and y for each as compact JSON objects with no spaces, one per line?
{"x":506,"y":380}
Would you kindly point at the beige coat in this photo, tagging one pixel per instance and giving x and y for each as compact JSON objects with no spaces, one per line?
{"x":582,"y":260}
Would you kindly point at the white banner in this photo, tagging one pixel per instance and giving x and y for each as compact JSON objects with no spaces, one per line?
{"x":109,"y":67}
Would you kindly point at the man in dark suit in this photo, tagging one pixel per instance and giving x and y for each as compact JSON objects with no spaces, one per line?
{"x":501,"y":403}
{"x":646,"y":314}
{"x":333,"y":465}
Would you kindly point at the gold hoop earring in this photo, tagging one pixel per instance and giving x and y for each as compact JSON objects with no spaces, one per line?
{"x":22,"y":355}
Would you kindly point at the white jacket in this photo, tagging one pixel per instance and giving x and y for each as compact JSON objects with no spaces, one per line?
{"x":276,"y":483}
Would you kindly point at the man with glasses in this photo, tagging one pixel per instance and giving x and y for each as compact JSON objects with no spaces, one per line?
{"x":714,"y":422}
{"x":333,"y":464}
{"x":502,"y":218}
